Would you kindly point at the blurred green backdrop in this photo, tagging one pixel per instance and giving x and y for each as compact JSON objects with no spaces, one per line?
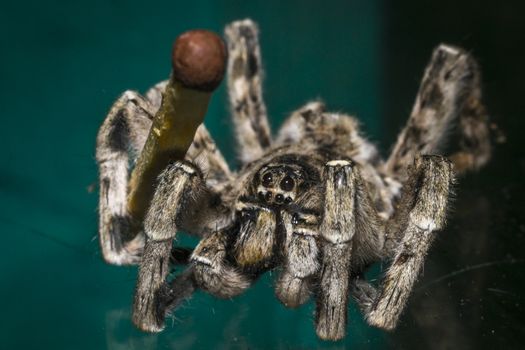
{"x":62,"y":65}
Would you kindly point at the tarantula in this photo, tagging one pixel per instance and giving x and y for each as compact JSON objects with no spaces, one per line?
{"x":317,"y":201}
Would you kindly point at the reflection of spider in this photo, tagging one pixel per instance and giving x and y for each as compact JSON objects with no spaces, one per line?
{"x":317,"y":201}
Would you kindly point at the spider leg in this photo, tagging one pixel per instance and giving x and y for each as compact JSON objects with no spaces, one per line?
{"x":182,"y":201}
{"x":431,"y":179}
{"x":450,"y":89}
{"x":245,"y":89}
{"x":120,"y":138}
{"x":475,"y":148}
{"x":301,"y":261}
{"x":351,"y":236}
{"x":209,"y":269}
{"x":337,"y":230}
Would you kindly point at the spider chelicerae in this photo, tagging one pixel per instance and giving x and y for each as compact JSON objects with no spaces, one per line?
{"x":316,"y":202}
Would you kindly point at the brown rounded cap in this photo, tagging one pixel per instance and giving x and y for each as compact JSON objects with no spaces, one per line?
{"x":199,"y":59}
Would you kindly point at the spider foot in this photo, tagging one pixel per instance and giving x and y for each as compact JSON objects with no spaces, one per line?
{"x":148,"y":314}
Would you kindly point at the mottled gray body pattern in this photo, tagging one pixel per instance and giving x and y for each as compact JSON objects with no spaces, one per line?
{"x":316,"y":203}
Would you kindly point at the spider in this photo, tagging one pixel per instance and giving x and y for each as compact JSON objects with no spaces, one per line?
{"x":316,"y":202}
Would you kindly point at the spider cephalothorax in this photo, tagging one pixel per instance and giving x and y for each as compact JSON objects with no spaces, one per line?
{"x":316,"y":202}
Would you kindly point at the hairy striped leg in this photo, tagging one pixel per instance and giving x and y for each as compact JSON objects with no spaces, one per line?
{"x":182,"y":201}
{"x":351,"y":236}
{"x":337,"y":231}
{"x":245,"y":89}
{"x":450,"y":90}
{"x":424,"y":203}
{"x":120,"y":138}
{"x":301,"y":258}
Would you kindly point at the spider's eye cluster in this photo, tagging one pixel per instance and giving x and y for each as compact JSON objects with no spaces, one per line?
{"x":267,"y":179}
{"x":277,"y":185}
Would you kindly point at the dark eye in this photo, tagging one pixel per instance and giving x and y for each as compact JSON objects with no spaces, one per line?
{"x":267,"y":179}
{"x":287,"y":183}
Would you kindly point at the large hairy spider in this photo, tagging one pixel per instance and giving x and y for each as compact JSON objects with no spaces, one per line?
{"x":316,"y":202}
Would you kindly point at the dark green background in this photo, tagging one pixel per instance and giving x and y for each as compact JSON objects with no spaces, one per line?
{"x":63,"y":63}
